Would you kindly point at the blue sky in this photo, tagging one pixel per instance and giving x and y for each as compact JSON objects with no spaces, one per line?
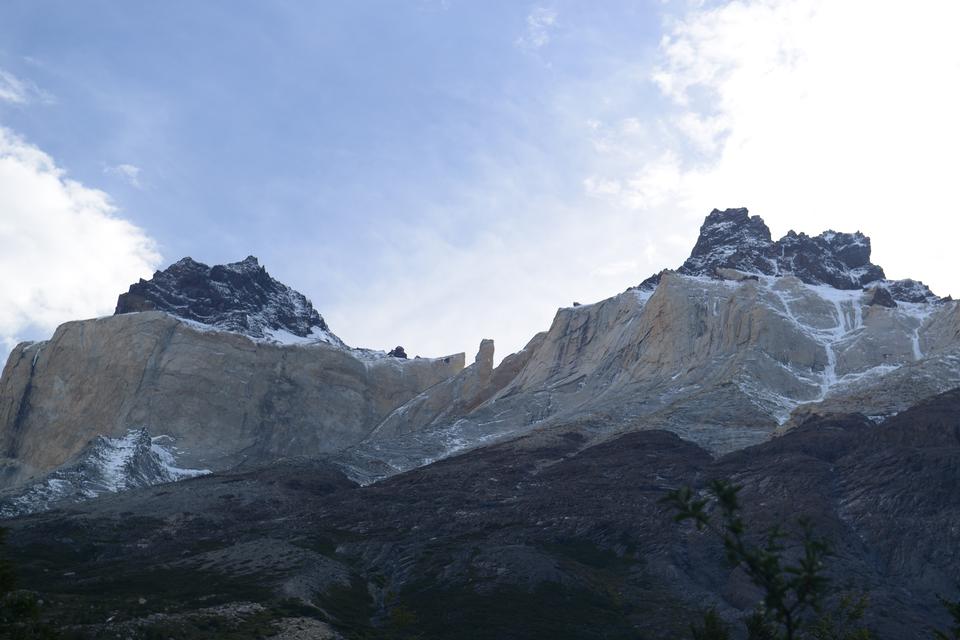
{"x":312,"y":128}
{"x":433,"y":172}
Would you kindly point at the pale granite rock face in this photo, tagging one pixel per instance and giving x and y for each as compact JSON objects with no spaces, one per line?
{"x":452,"y":397}
{"x":748,"y":338}
{"x":223,"y":398}
{"x":722,"y":362}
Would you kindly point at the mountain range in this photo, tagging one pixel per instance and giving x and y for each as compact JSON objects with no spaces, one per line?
{"x":214,"y":433}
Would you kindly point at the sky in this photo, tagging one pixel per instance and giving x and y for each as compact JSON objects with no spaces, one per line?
{"x":434,"y":172}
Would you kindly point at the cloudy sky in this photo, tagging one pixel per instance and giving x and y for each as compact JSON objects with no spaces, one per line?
{"x":432,"y":172}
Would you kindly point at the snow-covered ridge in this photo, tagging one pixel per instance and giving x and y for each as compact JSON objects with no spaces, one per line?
{"x":106,"y":465}
{"x":280,"y":337}
{"x":318,"y":336}
{"x":732,"y":239}
{"x":240,"y":297}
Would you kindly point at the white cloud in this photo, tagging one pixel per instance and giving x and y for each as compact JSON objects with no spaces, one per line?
{"x":12,"y":89}
{"x":815,"y":115}
{"x":66,"y":255}
{"x":20,"y":92}
{"x":600,"y":187}
{"x":801,"y":111}
{"x":438,"y":294}
{"x":625,"y":268}
{"x":541,"y":21}
{"x":128,"y":172}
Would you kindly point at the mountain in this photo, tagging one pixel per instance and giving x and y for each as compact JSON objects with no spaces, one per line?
{"x":744,"y":340}
{"x":213,"y":461}
{"x":541,"y":536}
{"x":239,"y":297}
{"x":748,"y":338}
{"x":262,"y":376}
{"x":735,"y":240}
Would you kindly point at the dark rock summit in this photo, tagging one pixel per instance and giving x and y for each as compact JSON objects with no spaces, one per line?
{"x":911,"y":291}
{"x":881,"y":296}
{"x":733,"y":239}
{"x":240,"y":297}
{"x":398,"y":352}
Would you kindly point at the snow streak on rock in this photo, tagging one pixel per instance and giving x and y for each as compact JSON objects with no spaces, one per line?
{"x":838,"y":336}
{"x":106,"y":465}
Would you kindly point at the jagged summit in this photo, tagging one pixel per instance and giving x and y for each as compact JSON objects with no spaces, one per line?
{"x":239,"y":296}
{"x":724,"y":353}
{"x":733,"y":239}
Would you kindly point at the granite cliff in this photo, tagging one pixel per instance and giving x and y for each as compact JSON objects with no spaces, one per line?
{"x":257,"y":376}
{"x":308,"y":485}
{"x":747,"y":339}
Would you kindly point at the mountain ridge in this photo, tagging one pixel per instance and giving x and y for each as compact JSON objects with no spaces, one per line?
{"x":733,"y":239}
{"x":523,"y":500}
{"x":718,"y":351}
{"x":238,"y":296}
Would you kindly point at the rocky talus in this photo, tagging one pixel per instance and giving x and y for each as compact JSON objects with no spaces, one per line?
{"x":543,"y":536}
{"x":105,"y":465}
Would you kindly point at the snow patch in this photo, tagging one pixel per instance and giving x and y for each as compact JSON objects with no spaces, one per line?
{"x":114,"y":457}
{"x":280,"y":337}
{"x":285,"y":338}
{"x":919,"y":313}
{"x":168,"y":462}
{"x":107,"y":465}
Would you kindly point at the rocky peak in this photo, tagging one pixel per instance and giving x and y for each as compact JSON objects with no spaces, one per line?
{"x":733,"y":239}
{"x":880,"y":296}
{"x":239,"y":296}
{"x":249,"y":264}
{"x":908,"y":290}
{"x":840,"y":260}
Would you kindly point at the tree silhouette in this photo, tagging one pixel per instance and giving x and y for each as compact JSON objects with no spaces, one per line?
{"x":793,"y":591}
